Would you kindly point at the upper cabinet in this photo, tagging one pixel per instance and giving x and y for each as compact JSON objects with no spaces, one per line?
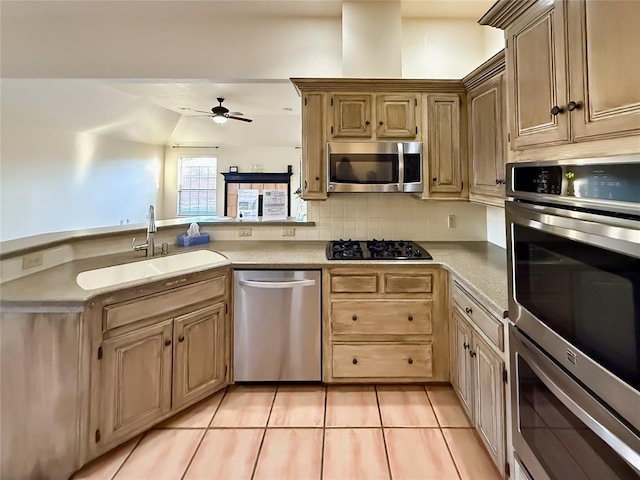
{"x":367,"y":110}
{"x":366,"y":116}
{"x":572,"y":76}
{"x":487,"y":132}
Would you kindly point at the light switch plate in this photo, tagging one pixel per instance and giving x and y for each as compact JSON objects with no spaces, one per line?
{"x":451,"y":221}
{"x":244,"y":232}
{"x":288,"y":231}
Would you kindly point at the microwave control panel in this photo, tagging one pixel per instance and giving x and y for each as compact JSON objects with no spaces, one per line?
{"x":616,"y":182}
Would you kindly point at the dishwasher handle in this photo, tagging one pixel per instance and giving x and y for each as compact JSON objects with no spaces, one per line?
{"x":271,"y":284}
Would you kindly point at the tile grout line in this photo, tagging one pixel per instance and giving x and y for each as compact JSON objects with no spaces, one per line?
{"x":384,"y":438}
{"x":195,"y":452}
{"x":440,"y":427}
{"x":264,"y":433}
{"x":130,"y":453}
{"x":435,"y":415}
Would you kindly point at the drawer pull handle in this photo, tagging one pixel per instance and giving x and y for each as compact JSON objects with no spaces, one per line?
{"x":410,"y":318}
{"x":167,"y":342}
{"x":472,"y":353}
{"x":465,"y":345}
{"x":410,"y":361}
{"x":181,"y":338}
{"x":468,"y":310}
{"x":354,"y":318}
{"x":355,"y":361}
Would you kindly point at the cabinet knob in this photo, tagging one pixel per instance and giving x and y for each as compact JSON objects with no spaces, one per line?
{"x":434,"y":179}
{"x":355,"y":361}
{"x":167,"y":342}
{"x":472,"y":353}
{"x":465,"y":345}
{"x":556,"y":110}
{"x":354,"y":318}
{"x":497,"y":181}
{"x":317,"y":178}
{"x":381,"y":123}
{"x":367,"y":122}
{"x":181,"y":338}
{"x":305,"y":184}
{"x":571,"y":106}
{"x":410,"y":318}
{"x":410,"y":361}
{"x":468,"y":310}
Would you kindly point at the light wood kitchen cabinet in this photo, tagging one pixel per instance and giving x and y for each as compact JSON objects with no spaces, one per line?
{"x":136,"y":380}
{"x":313,"y":146}
{"x":572,"y":77}
{"x":385,"y":325}
{"x":351,"y":116}
{"x":478,"y":371}
{"x":445,"y":154}
{"x":462,"y":380}
{"x":487,"y":132}
{"x":373,"y":116}
{"x":199,"y":361}
{"x":159,"y":348}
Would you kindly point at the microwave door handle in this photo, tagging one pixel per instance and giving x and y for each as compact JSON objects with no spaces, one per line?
{"x":400,"y":167}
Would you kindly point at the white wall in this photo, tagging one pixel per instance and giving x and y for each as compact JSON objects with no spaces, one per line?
{"x":441,"y":48}
{"x":493,"y":41}
{"x":272,"y":159}
{"x":496,"y":232}
{"x":53,"y":180}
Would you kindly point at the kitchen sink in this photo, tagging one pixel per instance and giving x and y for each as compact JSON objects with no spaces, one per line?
{"x":153,"y":267}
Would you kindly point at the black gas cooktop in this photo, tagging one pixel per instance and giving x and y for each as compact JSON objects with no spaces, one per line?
{"x":375,"y":250}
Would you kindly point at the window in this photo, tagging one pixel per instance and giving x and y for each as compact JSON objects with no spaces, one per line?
{"x":197,"y":185}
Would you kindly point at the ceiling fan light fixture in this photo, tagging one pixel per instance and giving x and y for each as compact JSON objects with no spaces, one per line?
{"x":220,"y":119}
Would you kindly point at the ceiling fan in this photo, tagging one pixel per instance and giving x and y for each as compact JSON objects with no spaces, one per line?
{"x":220,"y":114}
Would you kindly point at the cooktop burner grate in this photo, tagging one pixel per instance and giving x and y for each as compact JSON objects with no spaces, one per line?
{"x":375,"y":250}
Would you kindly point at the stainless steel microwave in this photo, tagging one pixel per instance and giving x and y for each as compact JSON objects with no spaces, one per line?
{"x":374,"y":167}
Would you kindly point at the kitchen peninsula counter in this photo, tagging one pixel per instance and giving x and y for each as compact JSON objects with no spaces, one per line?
{"x":480,"y":266}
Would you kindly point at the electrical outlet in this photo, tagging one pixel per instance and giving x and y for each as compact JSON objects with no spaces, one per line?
{"x":32,"y":260}
{"x":244,"y":232}
{"x":451,"y":221}
{"x":288,"y":231}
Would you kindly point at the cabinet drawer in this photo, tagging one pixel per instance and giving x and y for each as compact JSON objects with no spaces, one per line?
{"x":382,"y":360}
{"x":490,"y":326}
{"x":381,"y":317}
{"x":354,"y":283}
{"x":124,"y":313}
{"x":395,"y":283}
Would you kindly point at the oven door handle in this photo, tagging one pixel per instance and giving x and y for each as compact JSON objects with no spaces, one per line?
{"x":594,"y":415}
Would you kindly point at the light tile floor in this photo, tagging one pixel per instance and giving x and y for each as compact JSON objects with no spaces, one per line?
{"x":304,"y":432}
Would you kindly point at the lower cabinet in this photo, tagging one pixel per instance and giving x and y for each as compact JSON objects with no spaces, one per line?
{"x":136,"y":380}
{"x":478,"y":381}
{"x":385,"y":324}
{"x":198,"y":365}
{"x":155,"y":363}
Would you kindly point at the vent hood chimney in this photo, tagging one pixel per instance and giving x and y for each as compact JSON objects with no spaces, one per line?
{"x":371,"y":39}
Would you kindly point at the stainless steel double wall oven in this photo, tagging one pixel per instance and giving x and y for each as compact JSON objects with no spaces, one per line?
{"x":573,"y":231}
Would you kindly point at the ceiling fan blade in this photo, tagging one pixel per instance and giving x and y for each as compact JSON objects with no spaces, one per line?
{"x":240,"y":118}
{"x":191,"y":109}
{"x":236,"y":114}
{"x":194,"y":116}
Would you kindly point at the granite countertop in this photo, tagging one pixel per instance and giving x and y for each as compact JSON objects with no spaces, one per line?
{"x":480,"y":266}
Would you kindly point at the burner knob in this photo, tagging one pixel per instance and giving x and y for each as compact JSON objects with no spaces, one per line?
{"x":417,"y":253}
{"x":401,"y":244}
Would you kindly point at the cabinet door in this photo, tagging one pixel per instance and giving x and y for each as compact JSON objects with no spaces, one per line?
{"x":313,"y":146}
{"x":463,"y":374}
{"x":199,"y":361}
{"x":444,"y":155}
{"x":535,"y":59}
{"x":351,"y":116}
{"x":489,"y":400}
{"x":486,"y":139}
{"x":396,"y":116}
{"x":136,"y":386}
{"x":604,"y":67}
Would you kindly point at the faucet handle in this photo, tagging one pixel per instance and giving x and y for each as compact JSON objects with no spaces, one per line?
{"x":137,"y":248}
{"x":133,"y":244}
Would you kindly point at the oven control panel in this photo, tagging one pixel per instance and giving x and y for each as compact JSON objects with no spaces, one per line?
{"x":615,"y":182}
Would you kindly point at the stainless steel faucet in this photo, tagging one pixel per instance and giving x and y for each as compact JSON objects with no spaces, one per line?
{"x":150,"y":246}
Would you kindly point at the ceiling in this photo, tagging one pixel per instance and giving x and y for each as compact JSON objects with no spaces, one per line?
{"x":152,"y":111}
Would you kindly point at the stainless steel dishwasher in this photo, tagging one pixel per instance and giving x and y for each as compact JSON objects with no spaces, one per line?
{"x":277,"y":325}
